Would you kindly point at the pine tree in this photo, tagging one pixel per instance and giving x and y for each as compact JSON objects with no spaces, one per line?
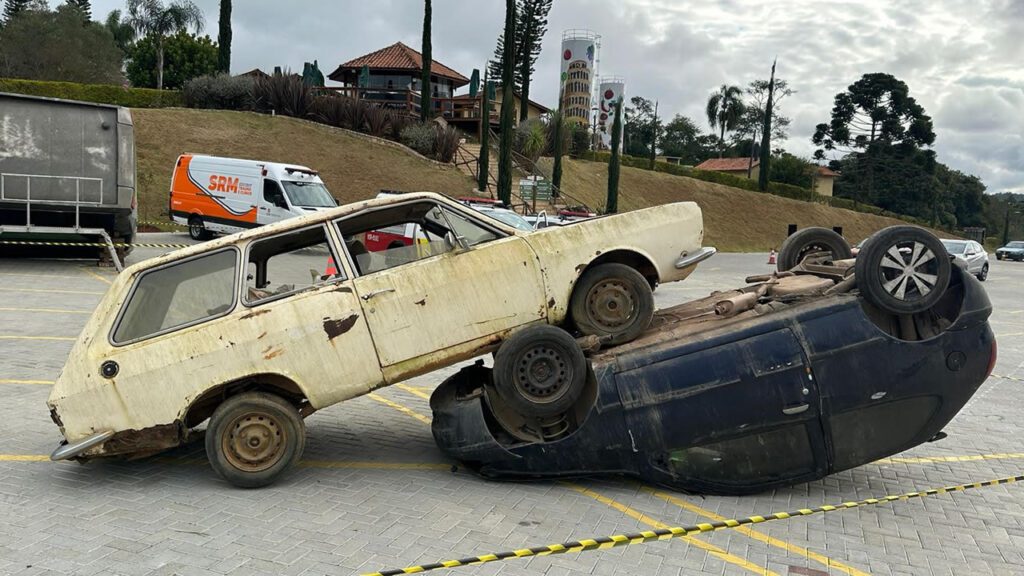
{"x":531,"y":25}
{"x":14,"y":7}
{"x":426,"y":105}
{"x":612,"y":204}
{"x":556,"y":171}
{"x":84,"y":6}
{"x":507,"y":108}
{"x":484,"y":166}
{"x":766,"y":136}
{"x":224,"y":38}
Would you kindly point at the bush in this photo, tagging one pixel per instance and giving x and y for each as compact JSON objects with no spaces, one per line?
{"x":185,"y":57}
{"x":419,"y":137}
{"x":220,"y":92}
{"x":376,"y":121}
{"x":531,"y":139}
{"x":328,"y":109}
{"x":399,"y":121}
{"x":446,"y":143}
{"x":284,"y":94}
{"x":99,"y":93}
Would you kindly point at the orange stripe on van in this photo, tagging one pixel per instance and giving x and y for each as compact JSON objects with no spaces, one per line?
{"x":188,"y":196}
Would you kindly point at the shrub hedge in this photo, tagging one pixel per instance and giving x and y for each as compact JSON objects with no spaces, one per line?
{"x":774,"y":188}
{"x":99,"y":93}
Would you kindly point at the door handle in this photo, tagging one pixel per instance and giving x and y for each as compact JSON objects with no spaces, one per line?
{"x":792,"y":410}
{"x":369,"y":295}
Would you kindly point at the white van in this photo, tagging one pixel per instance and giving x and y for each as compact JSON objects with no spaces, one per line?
{"x":226,"y":195}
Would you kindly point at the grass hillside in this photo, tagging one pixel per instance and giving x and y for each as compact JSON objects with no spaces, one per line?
{"x":352,"y":167}
{"x":734,"y":220}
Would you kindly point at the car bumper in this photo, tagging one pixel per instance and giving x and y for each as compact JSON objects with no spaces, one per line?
{"x":689,"y":259}
{"x":67,"y":451}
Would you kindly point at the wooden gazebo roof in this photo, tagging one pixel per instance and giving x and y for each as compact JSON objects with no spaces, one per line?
{"x":395,"y":58}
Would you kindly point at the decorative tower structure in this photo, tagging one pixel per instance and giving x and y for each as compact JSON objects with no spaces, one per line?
{"x":580,"y":49}
{"x":611,"y":89}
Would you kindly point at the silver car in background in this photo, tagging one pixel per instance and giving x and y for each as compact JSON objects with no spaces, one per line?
{"x":970,"y":256}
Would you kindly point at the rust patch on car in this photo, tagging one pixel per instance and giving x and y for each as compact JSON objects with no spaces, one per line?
{"x":335,"y":328}
{"x":271,"y":353}
{"x":140,"y":443}
{"x":262,"y":334}
{"x":579,"y":268}
{"x":422,"y":302}
{"x":343,"y":289}
{"x":254,"y":313}
{"x":598,"y":253}
{"x":551,"y":303}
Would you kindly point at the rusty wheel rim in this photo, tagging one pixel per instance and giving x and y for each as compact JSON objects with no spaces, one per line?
{"x":542,"y":374}
{"x":254,"y":441}
{"x":611,"y":305}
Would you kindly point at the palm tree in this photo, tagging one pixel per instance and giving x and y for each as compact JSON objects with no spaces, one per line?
{"x":725,"y":109}
{"x":152,"y":18}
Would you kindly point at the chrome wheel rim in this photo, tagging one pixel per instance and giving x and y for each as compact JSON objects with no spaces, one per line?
{"x":908,"y":271}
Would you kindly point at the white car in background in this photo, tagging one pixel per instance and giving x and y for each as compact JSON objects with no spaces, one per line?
{"x":970,"y":256}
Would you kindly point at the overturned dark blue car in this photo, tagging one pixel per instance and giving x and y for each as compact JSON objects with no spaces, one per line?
{"x":829,"y":364}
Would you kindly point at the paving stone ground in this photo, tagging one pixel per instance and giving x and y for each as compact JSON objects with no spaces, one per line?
{"x":374,"y":492}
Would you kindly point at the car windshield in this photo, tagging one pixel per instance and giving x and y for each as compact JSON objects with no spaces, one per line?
{"x":954,"y":247}
{"x":1015,"y":245}
{"x":510,"y":218}
{"x":308,"y":194}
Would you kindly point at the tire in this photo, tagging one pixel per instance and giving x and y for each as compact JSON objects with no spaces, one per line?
{"x":197,"y":230}
{"x":883,"y":278}
{"x":999,"y":256}
{"x":808,"y":240}
{"x":612,"y":300}
{"x":240,"y":425}
{"x":983,"y":275}
{"x":539,"y":371}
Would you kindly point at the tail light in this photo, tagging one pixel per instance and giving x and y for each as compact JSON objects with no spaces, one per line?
{"x":992,"y":359}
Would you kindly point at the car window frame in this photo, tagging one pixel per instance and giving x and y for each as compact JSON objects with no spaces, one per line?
{"x":138,"y":280}
{"x":243,"y":283}
{"x":501,"y":234}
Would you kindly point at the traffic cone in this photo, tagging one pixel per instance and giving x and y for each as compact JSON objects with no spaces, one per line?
{"x":332,"y":268}
{"x":771,"y":256}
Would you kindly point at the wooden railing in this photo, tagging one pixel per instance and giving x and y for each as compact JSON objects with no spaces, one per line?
{"x":464,"y":108}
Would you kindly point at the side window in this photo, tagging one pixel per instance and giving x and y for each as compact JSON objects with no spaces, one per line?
{"x":289,"y":263}
{"x":462,"y":226}
{"x":273,"y":194}
{"x":179,"y":295}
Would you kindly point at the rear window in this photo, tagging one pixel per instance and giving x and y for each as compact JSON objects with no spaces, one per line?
{"x":179,"y":295}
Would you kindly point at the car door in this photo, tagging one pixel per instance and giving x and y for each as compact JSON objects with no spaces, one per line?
{"x":736,"y":410}
{"x":272,"y":206}
{"x":432,"y":304}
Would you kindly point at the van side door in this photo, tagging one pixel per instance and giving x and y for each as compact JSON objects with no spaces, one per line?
{"x":273,"y":206}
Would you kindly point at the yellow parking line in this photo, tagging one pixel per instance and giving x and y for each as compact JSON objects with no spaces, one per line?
{"x":754,"y":534}
{"x":95,"y":275}
{"x":400,"y":408}
{"x":413,"y":391}
{"x":62,"y":338}
{"x":23,"y":457}
{"x":938,"y":459}
{"x":37,"y":290}
{"x":644,"y":519}
{"x":374,"y":465}
{"x":32,"y":382}
{"x":54,"y":276}
{"x":47,"y":310}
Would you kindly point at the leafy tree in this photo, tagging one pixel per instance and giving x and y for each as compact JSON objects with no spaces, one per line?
{"x":151,"y":18}
{"x":186,"y":57}
{"x":752,"y":122}
{"x":224,"y":38}
{"x":641,"y":126}
{"x":531,"y":25}
{"x":682,"y":139}
{"x":14,"y":7}
{"x":507,"y":107}
{"x":790,"y":169}
{"x":656,"y":129}
{"x":56,"y":46}
{"x":612,"y":203}
{"x":426,"y":105}
{"x":121,"y":30}
{"x":724,"y":111}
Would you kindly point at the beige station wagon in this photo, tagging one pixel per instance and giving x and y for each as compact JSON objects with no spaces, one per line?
{"x":257,"y":330}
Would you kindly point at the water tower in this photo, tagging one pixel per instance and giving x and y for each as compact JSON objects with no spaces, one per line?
{"x":610,"y":90}
{"x":580,"y":57}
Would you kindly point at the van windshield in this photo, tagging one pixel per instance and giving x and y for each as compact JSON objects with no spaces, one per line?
{"x":308,"y":194}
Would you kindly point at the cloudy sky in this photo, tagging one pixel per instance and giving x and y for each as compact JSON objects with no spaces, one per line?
{"x":962,"y":60}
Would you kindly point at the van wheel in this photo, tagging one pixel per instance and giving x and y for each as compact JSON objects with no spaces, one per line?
{"x":540,"y":371}
{"x":197,"y":230}
{"x":253,"y":438}
{"x":612,"y":300}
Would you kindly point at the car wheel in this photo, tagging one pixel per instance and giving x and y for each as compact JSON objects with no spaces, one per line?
{"x":903,"y":270}
{"x":983,"y":275}
{"x":253,"y":438}
{"x":999,"y":256}
{"x":803,"y":242}
{"x":197,"y":230}
{"x":612,"y":300}
{"x":539,"y":371}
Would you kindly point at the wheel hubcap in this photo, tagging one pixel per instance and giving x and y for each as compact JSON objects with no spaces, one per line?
{"x":611,"y":305}
{"x":542,"y":374}
{"x":254,"y":442}
{"x":909,"y":271}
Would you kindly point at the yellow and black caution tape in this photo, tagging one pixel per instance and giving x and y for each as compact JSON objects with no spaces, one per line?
{"x":163,"y":223}
{"x":92,"y":244}
{"x":677,"y":532}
